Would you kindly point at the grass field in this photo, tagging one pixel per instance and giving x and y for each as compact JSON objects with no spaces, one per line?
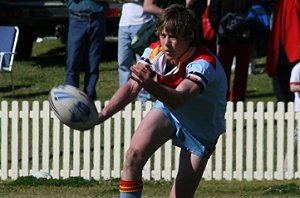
{"x":77,"y":187}
{"x":35,"y":77}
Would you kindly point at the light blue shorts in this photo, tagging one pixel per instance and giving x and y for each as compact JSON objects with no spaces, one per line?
{"x":184,"y":138}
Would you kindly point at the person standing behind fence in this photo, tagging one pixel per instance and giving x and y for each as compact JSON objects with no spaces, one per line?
{"x":85,"y":40}
{"x":190,"y":87}
{"x":234,"y":39}
{"x":157,"y":7}
{"x":284,"y":47}
{"x":132,"y":19}
{"x":295,"y":88}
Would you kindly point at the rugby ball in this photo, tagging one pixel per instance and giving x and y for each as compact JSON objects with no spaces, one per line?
{"x":73,"y":107}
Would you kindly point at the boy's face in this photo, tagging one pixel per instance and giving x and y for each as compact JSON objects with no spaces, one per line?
{"x":173,"y":46}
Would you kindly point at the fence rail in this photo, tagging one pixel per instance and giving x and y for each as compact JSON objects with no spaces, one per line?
{"x":253,"y":147}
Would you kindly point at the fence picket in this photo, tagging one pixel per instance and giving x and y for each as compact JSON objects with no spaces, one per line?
{"x":208,"y":172}
{"x":217,"y":174}
{"x":280,"y":139}
{"x":97,"y":148}
{"x":176,"y":163}
{"x":66,"y":153}
{"x":35,"y":114}
{"x":4,"y":140}
{"x":107,"y":152}
{"x":46,"y":137}
{"x":269,"y":174}
{"x":56,"y":153}
{"x":290,"y":117}
{"x":127,"y":115}
{"x":24,"y":115}
{"x":259,"y":141}
{"x":229,"y":143}
{"x":14,"y":115}
{"x":239,"y":117}
{"x":76,"y":153}
{"x":249,"y":116}
{"x":157,"y":172}
{"x":167,"y":172}
{"x":117,"y":145}
{"x":86,"y":154}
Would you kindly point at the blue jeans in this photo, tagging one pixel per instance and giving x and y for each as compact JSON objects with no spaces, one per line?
{"x":126,"y":56}
{"x":85,"y":40}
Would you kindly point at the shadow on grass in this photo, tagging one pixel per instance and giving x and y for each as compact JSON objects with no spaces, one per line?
{"x":254,"y":95}
{"x":30,"y":95}
{"x":8,"y":89}
{"x":54,"y":57}
{"x":57,"y":56}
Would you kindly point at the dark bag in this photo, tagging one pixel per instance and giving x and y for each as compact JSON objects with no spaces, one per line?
{"x":144,"y":37}
{"x":233,"y":28}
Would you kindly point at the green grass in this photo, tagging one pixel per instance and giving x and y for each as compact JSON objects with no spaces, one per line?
{"x":35,"y":77}
{"x":78,"y":187}
{"x":259,"y":87}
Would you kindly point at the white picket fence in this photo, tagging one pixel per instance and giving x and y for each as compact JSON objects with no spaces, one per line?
{"x":253,"y":147}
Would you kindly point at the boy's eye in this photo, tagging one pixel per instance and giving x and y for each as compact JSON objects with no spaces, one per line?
{"x":163,"y":35}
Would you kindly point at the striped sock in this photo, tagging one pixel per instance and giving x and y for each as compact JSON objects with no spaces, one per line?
{"x":131,"y":189}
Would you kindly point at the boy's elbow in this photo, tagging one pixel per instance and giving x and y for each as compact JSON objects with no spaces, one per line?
{"x":147,"y":9}
{"x":293,"y":88}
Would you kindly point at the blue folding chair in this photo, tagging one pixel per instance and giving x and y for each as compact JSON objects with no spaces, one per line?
{"x":8,"y":43}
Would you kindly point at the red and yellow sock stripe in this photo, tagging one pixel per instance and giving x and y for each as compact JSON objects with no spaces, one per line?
{"x":131,"y":186}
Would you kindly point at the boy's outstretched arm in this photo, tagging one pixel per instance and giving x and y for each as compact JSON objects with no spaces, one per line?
{"x":122,"y":97}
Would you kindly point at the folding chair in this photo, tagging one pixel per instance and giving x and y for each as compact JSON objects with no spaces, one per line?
{"x":8,"y":42}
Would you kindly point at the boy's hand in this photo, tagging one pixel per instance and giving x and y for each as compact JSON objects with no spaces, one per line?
{"x":141,"y":74}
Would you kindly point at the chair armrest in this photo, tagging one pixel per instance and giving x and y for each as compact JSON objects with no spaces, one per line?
{"x":4,"y":53}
